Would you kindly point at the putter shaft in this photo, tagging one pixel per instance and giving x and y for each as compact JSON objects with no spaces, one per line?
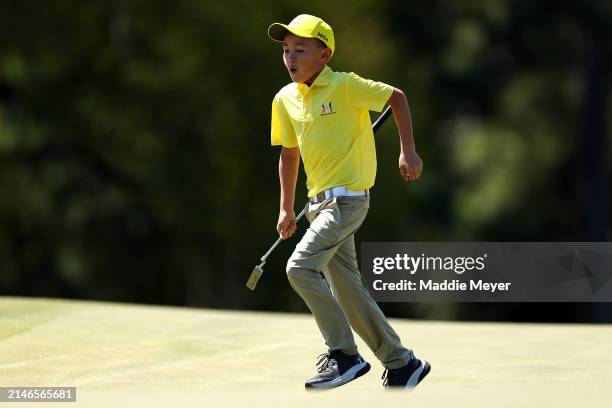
{"x":258,"y":270}
{"x":263,"y":258}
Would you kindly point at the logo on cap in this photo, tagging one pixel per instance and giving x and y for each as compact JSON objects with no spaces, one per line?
{"x":323,"y":37}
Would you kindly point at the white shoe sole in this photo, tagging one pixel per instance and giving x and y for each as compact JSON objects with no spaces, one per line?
{"x":418,"y":374}
{"x":352,"y":373}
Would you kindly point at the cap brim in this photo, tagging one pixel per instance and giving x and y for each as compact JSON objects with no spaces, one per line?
{"x":277,"y":32}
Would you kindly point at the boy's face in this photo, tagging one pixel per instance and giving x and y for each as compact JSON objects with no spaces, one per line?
{"x":304,"y":57}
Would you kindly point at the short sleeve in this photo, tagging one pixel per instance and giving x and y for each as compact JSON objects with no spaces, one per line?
{"x":282,"y":132}
{"x":367,"y":94}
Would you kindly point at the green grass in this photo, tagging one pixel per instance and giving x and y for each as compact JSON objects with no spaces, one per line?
{"x":160,"y":356}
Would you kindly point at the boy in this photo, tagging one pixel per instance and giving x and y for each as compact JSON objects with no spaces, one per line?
{"x":323,"y":116}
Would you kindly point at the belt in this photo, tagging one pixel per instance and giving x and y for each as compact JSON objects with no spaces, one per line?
{"x":337,"y":192}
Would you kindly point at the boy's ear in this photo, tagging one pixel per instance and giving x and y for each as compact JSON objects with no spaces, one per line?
{"x":326,"y":54}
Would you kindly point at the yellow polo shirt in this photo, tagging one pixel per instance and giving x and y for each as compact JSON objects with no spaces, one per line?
{"x":330,"y":123}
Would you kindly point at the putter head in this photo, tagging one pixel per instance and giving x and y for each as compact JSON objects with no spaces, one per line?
{"x":255,"y":275}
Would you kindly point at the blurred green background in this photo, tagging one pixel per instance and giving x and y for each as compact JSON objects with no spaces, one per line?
{"x":135,"y":158}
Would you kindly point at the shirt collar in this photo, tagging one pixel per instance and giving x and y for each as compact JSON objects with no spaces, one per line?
{"x":322,"y":79}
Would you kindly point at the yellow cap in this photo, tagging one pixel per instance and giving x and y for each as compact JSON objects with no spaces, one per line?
{"x":306,"y":26}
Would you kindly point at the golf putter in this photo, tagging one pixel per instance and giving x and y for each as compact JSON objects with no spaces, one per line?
{"x":258,"y":270}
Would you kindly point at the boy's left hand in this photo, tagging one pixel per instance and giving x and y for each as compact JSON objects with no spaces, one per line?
{"x":410,"y":165}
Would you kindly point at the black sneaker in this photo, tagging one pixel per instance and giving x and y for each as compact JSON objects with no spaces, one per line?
{"x":407,"y":376}
{"x":336,"y":368}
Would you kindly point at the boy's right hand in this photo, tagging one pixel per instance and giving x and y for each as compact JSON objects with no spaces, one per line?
{"x":286,"y":225}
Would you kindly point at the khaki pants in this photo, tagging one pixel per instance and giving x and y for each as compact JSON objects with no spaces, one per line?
{"x":328,"y":246}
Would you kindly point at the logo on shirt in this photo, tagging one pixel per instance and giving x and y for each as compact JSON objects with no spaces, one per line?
{"x":327,"y":109}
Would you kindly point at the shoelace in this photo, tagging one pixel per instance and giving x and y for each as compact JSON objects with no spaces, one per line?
{"x":326,"y":360}
{"x":385,"y":377}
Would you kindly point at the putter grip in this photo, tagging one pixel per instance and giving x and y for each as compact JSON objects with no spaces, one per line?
{"x":381,"y":119}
